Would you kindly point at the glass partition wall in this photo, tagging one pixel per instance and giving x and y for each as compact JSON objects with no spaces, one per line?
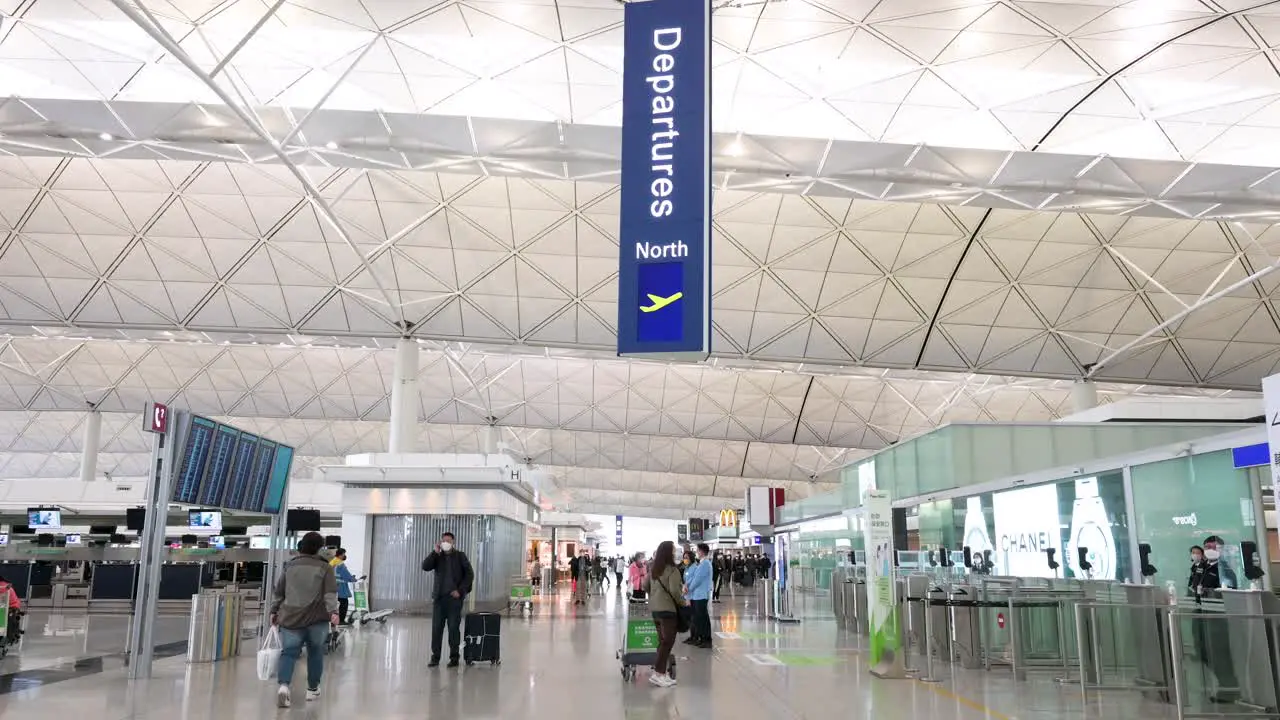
{"x":1169,"y":504}
{"x":1183,"y":501}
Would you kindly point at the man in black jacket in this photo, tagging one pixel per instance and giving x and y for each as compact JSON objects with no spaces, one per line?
{"x":454,"y":578}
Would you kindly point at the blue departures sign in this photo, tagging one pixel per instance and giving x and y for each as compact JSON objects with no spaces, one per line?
{"x":664,"y":278}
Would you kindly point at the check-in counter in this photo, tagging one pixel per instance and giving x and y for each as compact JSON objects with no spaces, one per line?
{"x":1253,"y":647}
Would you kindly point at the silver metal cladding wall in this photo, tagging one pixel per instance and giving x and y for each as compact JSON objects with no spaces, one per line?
{"x":494,"y":544}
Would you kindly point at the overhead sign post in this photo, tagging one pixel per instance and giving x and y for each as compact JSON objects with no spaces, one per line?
{"x":664,"y":271}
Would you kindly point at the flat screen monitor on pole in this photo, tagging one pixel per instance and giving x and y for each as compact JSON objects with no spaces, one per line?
{"x":221,"y":458}
{"x":261,"y":475}
{"x":274,"y":499}
{"x":242,"y":469}
{"x":194,"y":459}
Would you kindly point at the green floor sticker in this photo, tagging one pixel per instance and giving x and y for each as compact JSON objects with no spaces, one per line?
{"x":792,"y":660}
{"x":808,"y":660}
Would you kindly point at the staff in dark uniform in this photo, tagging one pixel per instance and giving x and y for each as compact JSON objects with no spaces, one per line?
{"x":1212,"y":636}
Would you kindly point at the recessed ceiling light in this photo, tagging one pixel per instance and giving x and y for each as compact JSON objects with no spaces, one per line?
{"x":735,"y":149}
{"x":105,"y":137}
{"x":331,"y":145}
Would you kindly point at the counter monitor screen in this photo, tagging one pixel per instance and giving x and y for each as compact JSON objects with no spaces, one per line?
{"x":4,"y":539}
{"x":74,"y":539}
{"x":217,"y":541}
{"x":260,"y":542}
{"x":134,"y":519}
{"x":205,"y":521}
{"x":41,"y":520}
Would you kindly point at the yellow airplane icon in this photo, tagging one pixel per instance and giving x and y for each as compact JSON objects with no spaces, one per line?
{"x":659,"y":302}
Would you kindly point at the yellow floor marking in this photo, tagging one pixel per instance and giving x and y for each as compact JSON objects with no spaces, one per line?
{"x":971,"y":704}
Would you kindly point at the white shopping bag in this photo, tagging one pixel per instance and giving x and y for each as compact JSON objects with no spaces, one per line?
{"x":269,"y":654}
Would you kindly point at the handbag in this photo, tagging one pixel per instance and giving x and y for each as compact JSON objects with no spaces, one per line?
{"x":684,"y":613}
{"x":269,"y":654}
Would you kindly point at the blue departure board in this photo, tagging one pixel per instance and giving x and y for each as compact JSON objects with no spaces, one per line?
{"x":279,"y":480}
{"x":220,"y":460}
{"x":241,"y":472}
{"x":261,"y":476}
{"x":195,"y":455}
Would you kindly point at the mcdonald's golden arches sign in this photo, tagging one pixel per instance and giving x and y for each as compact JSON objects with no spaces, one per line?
{"x":728,"y":518}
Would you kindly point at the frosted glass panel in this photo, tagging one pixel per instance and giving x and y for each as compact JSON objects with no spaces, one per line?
{"x":1181,"y":502}
{"x":962,"y":455}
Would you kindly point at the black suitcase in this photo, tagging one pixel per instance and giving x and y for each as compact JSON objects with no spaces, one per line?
{"x":482,"y":636}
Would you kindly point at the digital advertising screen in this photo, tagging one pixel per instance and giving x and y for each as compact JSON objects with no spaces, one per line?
{"x":241,"y":472}
{"x":1027,"y":523}
{"x":44,"y":520}
{"x":271,"y":504}
{"x":260,"y":542}
{"x":195,"y":456}
{"x":205,"y":521}
{"x":221,"y":457}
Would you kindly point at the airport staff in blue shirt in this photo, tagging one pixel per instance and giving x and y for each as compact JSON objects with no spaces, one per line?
{"x":697,"y":580}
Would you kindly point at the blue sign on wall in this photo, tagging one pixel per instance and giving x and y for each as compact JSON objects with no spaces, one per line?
{"x":1251,"y":456}
{"x":664,"y":273}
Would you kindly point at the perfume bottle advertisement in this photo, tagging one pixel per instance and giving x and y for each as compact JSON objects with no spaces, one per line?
{"x":977,"y":536}
{"x":1091,"y":529}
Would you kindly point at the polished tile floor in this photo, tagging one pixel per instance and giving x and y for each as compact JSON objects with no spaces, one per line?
{"x":557,"y":663}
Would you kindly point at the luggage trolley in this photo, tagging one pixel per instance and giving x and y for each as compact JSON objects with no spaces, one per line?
{"x":521,"y":597}
{"x":360,"y":614}
{"x":11,"y":630}
{"x":640,"y":646}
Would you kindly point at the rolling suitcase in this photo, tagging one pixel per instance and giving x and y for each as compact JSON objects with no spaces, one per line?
{"x":482,"y":635}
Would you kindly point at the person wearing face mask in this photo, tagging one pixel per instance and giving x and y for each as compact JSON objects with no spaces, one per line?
{"x":1212,"y":641}
{"x":453,"y":581}
{"x":697,"y":580}
{"x":1197,"y":571}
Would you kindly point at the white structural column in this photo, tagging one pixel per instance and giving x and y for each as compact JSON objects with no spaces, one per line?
{"x":404,"y":397}
{"x":92,"y":443}
{"x":1084,"y":396}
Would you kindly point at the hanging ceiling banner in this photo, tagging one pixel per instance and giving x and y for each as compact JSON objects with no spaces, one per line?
{"x":664,"y":271}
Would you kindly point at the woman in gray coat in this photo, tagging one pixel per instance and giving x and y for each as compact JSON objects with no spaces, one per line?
{"x":666,"y":597}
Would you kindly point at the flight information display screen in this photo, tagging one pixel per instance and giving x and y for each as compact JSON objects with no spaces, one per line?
{"x":261,"y":476}
{"x":241,"y":471}
{"x":279,"y":480}
{"x":221,"y":458}
{"x":195,"y":456}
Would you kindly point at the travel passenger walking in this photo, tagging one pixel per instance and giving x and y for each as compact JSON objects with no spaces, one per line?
{"x":666,"y":597}
{"x":618,"y":566}
{"x":305,"y":608}
{"x":345,"y":581}
{"x":698,"y":581}
{"x":453,"y":582}
{"x":580,"y":571}
{"x":639,"y":575}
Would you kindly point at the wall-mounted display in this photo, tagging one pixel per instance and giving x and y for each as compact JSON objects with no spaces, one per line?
{"x":1026,"y":525}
